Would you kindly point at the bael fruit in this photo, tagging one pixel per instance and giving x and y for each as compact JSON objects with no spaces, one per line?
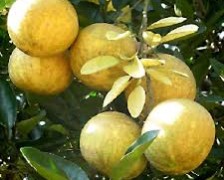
{"x":182,"y":85}
{"x":42,"y":27}
{"x":93,"y":42}
{"x":187,"y":133}
{"x":105,"y":139}
{"x":46,"y":76}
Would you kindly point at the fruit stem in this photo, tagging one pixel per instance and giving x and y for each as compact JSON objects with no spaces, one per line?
{"x":143,"y":28}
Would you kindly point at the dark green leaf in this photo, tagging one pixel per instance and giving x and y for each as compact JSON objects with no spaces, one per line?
{"x":51,"y":166}
{"x":134,"y":152}
{"x":185,"y":8}
{"x":201,"y":68}
{"x":7,"y":105}
{"x":218,"y":67}
{"x":119,"y":4}
{"x":88,"y":13}
{"x":26,"y":126}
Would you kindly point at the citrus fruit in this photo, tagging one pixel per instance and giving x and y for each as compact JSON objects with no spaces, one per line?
{"x":93,"y":42}
{"x":47,"y":76}
{"x":186,"y":136}
{"x":42,"y":28}
{"x":105,"y":139}
{"x":181,"y":87}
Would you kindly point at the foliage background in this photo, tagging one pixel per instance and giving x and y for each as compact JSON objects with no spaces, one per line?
{"x":53,"y":123}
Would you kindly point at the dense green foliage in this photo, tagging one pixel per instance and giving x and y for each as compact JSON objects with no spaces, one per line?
{"x":53,"y":124}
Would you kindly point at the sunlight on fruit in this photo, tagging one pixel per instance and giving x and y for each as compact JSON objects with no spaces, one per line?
{"x":42,"y":28}
{"x":188,"y":133}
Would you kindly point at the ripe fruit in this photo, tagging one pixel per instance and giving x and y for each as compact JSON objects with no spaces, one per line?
{"x":48,"y":76}
{"x":182,"y":87}
{"x":187,"y":133}
{"x":106,"y":137}
{"x":42,"y":28}
{"x":92,"y":42}
{"x":157,"y":91}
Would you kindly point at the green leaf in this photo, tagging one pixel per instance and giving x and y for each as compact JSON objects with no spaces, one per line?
{"x":136,"y":101}
{"x":2,"y":5}
{"x":27,"y":125}
{"x":184,"y":8}
{"x":98,"y":64}
{"x":134,"y":152}
{"x":8,"y":3}
{"x":119,"y":4}
{"x":118,"y":87}
{"x":7,"y":106}
{"x":167,"y":22}
{"x":201,"y":67}
{"x":51,"y":166}
{"x":59,"y":128}
{"x":88,"y":13}
{"x":180,"y":32}
{"x":218,"y":67}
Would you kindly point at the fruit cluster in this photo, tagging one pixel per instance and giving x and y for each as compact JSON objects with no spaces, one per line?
{"x":42,"y":32}
{"x":161,"y":87}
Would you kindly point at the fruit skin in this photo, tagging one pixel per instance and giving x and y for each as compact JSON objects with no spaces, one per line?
{"x":42,"y":28}
{"x":92,"y":42}
{"x":46,"y":76}
{"x":106,"y":137}
{"x":187,"y":133}
{"x":181,"y":87}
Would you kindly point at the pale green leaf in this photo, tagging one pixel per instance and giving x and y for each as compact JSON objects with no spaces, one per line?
{"x":159,"y":76}
{"x":151,"y":62}
{"x":118,"y":87}
{"x":167,"y":22}
{"x":123,"y":57}
{"x":59,"y":128}
{"x":113,"y":36}
{"x":152,"y":39}
{"x":179,"y":73}
{"x":98,"y":64}
{"x":136,"y":101}
{"x":135,"y":68}
{"x":176,"y":72}
{"x":180,"y":32}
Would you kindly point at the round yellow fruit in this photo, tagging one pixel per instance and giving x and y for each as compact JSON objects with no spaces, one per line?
{"x":186,"y":136}
{"x":182,"y":87}
{"x":92,"y":42}
{"x":42,"y":27}
{"x":47,"y":76}
{"x":105,"y":139}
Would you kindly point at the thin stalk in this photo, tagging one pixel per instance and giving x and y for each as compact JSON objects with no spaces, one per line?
{"x":143,"y":28}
